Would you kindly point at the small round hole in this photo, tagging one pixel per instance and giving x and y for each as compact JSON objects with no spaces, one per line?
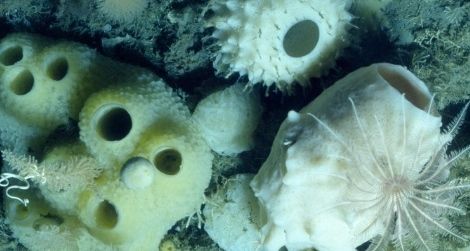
{"x":57,"y":69}
{"x":21,"y":212}
{"x":11,"y":55}
{"x":106,"y":215}
{"x":301,"y":38}
{"x":22,"y":83}
{"x":115,"y":124}
{"x":168,"y":161}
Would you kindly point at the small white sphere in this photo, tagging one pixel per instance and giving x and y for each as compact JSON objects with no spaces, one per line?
{"x":137,"y":173}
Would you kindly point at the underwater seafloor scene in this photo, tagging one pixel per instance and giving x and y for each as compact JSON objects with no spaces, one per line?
{"x":236,"y":125}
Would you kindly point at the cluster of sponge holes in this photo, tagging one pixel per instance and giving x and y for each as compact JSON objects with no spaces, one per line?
{"x":20,"y":80}
{"x":167,"y":161}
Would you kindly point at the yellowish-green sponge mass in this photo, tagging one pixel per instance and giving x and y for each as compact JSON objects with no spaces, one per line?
{"x":113,"y":120}
{"x":45,"y":82}
{"x":139,"y":166}
{"x":120,"y":212}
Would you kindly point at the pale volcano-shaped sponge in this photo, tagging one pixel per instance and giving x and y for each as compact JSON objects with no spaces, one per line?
{"x":278,"y":42}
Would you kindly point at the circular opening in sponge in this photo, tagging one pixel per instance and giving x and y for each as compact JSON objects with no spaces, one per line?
{"x":106,"y":215}
{"x":168,"y":161}
{"x":22,"y":83}
{"x":301,"y":38}
{"x":21,"y":212}
{"x":114,"y":124}
{"x":57,"y":69}
{"x":406,"y":83}
{"x":11,"y":55}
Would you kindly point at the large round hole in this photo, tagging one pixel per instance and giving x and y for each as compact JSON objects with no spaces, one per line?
{"x":301,"y":38}
{"x":168,"y":161}
{"x":57,"y":69}
{"x":11,"y":55}
{"x":22,"y":83}
{"x":405,"y":83}
{"x":106,"y":215}
{"x":114,"y":124}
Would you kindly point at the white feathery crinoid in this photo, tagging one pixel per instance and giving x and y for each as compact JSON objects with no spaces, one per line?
{"x":411,"y":200}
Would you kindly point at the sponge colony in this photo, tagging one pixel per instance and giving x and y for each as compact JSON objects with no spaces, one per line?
{"x":279,"y":42}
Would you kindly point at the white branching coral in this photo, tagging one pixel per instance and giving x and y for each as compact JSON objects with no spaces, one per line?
{"x":278,"y":42}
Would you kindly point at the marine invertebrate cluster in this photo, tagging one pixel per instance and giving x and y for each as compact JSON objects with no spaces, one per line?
{"x":140,"y":163}
{"x":278,"y":42}
{"x":365,"y":160}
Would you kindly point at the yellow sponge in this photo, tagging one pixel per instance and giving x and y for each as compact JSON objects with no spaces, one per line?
{"x":113,"y":120}
{"x":45,"y":82}
{"x":137,"y":218}
{"x":141,"y":164}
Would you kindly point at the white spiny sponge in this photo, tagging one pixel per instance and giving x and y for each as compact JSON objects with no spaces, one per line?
{"x":278,"y":42}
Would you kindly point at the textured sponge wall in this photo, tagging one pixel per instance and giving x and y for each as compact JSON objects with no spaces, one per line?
{"x":139,"y":165}
{"x":278,"y":42}
{"x":45,"y":83}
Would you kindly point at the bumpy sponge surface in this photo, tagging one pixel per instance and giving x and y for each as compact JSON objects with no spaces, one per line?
{"x":142,"y":164}
{"x":278,"y":41}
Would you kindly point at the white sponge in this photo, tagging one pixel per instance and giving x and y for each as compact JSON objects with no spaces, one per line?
{"x":279,"y":41}
{"x":228,"y":118}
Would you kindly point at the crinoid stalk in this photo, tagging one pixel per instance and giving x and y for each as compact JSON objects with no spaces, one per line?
{"x":410,"y":200}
